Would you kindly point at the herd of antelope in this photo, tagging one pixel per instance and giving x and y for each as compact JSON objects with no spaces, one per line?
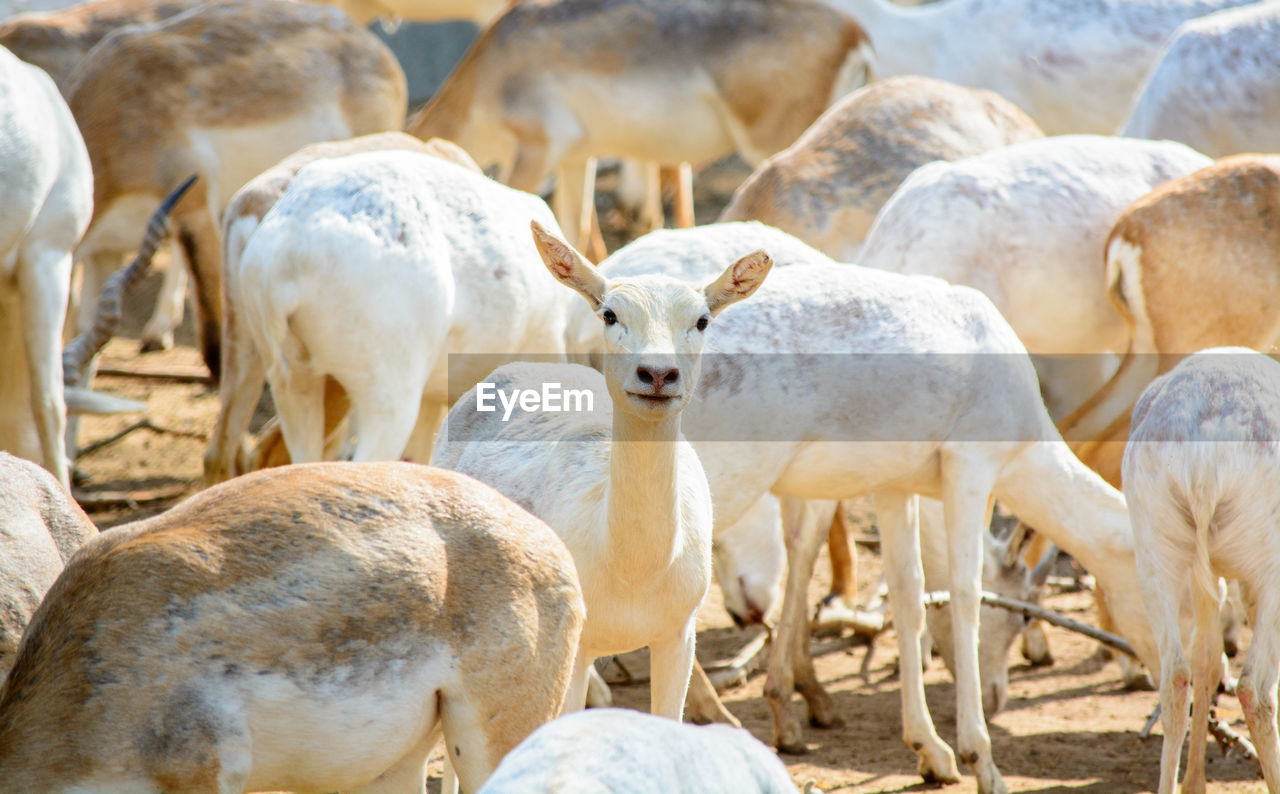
{"x":1067,"y":262}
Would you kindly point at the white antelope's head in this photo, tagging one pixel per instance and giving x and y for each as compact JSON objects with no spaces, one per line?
{"x":654,"y":326}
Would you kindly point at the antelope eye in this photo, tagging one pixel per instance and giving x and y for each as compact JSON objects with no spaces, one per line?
{"x":702,"y":322}
{"x":609,"y":317}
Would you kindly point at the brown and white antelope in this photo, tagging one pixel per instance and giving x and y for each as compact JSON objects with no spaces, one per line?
{"x":366,"y":11}
{"x":828,"y":186}
{"x":306,"y":628}
{"x":58,"y":40}
{"x":1193,"y":264}
{"x":230,"y":89}
{"x":549,"y":86}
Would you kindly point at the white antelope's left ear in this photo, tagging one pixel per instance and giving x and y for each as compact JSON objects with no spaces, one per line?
{"x":570,"y":267}
{"x":738,"y":281}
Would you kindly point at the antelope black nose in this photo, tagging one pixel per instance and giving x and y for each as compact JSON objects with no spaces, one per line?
{"x":659,"y":377}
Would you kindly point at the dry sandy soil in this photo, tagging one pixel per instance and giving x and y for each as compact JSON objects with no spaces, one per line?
{"x":1069,"y":727}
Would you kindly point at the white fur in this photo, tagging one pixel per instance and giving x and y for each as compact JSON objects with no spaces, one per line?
{"x":960,"y":433}
{"x":1026,"y":225}
{"x":1074,"y":67}
{"x":1200,"y":472}
{"x":374,"y":269}
{"x":621,"y":486}
{"x":623,"y":750}
{"x":48,"y":198}
{"x":1214,"y":86}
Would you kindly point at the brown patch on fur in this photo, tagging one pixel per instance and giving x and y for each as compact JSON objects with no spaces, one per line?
{"x":1210,"y":263}
{"x":232,"y":64}
{"x":57,"y":41}
{"x":33,"y":506}
{"x":1209,"y":270}
{"x":841,"y":172}
{"x":308,"y":572}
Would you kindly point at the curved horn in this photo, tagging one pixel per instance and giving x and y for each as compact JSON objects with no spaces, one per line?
{"x":79,"y":351}
{"x":1040,"y":574}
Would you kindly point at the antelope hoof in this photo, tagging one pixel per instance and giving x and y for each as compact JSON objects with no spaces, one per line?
{"x":789,"y":737}
{"x":1138,"y":681}
{"x":152,"y":344}
{"x":990,"y":782}
{"x":940,"y":769}
{"x":822,"y":713}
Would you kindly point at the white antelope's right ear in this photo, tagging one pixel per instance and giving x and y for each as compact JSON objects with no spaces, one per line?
{"x":569,"y":267}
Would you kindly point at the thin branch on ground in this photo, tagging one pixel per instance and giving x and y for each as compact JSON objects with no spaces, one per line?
{"x":141,"y":424}
{"x":941,"y":597}
{"x":185,"y":375}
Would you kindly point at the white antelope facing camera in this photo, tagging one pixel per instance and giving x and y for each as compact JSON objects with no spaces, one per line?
{"x":309,"y":628}
{"x":1200,"y":473}
{"x":627,"y":495}
{"x":948,"y":406}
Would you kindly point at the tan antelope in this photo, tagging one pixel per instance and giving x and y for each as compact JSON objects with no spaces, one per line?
{"x":40,"y":527}
{"x":57,"y":41}
{"x":550,"y":85}
{"x":310,"y":628}
{"x":230,"y":89}
{"x":366,"y":11}
{"x":828,"y":186}
{"x":1191,"y":265}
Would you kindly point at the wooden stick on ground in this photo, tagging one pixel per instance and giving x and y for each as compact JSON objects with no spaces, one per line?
{"x":141,"y":424}
{"x":940,"y":597}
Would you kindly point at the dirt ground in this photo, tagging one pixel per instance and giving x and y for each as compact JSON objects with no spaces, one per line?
{"x":1069,"y":727}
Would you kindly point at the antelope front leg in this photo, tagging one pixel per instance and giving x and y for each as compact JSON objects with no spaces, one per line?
{"x":670,"y":663}
{"x":966,"y":497}
{"x":898,"y":516}
{"x":803,"y":540}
